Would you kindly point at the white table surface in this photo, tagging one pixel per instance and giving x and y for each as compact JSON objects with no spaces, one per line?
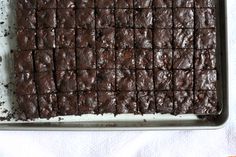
{"x":212,"y":143}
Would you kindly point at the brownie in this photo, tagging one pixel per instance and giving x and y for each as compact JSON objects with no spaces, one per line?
{"x":144,"y":58}
{"x":205,"y":39}
{"x":143,"y":38}
{"x":121,"y":4}
{"x":48,"y":107}
{"x":26,"y":4}
{"x":163,"y":18}
{"x":125,"y":59}
{"x":105,"y":3}
{"x":65,"y":59}
{"x":163,"y":79}
{"x":105,"y":38}
{"x":143,"y":18}
{"x":87,"y":102}
{"x":23,"y":61}
{"x":26,"y":18}
{"x":28,"y":104}
{"x":46,"y":18}
{"x":205,"y":59}
{"x":67,"y":103}
{"x":86,"y":80}
{"x":86,"y":58}
{"x":126,"y":102}
{"x":26,"y":39}
{"x":145,"y":80}
{"x":25,"y":84}
{"x":206,"y":80}
{"x":204,"y":3}
{"x":105,"y":58}
{"x":85,"y":3}
{"x":105,"y":18}
{"x":124,"y":18}
{"x":162,"y":38}
{"x":183,"y":3}
{"x":106,"y":80}
{"x":46,"y":4}
{"x":146,"y":102}
{"x":183,"y":79}
{"x":163,"y":59}
{"x":143,"y":3}
{"x":162,"y":3}
{"x":45,"y":82}
{"x":44,"y":60}
{"x":183,"y":38}
{"x":183,"y":102}
{"x":46,"y":38}
{"x":183,"y":18}
{"x":183,"y":59}
{"x":65,"y":18}
{"x":85,"y":38}
{"x":65,"y":38}
{"x":106,"y":102}
{"x":164,"y":101}
{"x":66,"y":3}
{"x":124,"y":38}
{"x":205,"y":18}
{"x":205,"y":102}
{"x":85,"y":18}
{"x":125,"y":80}
{"x":66,"y":81}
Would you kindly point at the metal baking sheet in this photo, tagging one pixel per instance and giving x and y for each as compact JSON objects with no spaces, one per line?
{"x":8,"y":120}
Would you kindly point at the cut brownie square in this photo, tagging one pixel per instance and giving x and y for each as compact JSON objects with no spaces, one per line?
{"x":125,"y":80}
{"x":163,"y":79}
{"x":26,"y":18}
{"x":26,"y":39}
{"x":162,"y":3}
{"x":105,"y":38}
{"x":206,"y":39}
{"x":124,"y":18}
{"x":46,"y":4}
{"x":143,"y":18}
{"x":146,"y":102}
{"x":105,"y":3}
{"x":66,"y":81}
{"x":65,"y":59}
{"x":44,"y":60}
{"x":46,"y":18}
{"x":143,"y":38}
{"x":25,"y":84}
{"x":162,"y":38}
{"x":87,"y":102}
{"x":205,"y":18}
{"x":105,"y":58}
{"x":124,"y":38}
{"x":125,"y":59}
{"x":106,"y":80}
{"x":143,"y":3}
{"x":183,"y":102}
{"x":65,"y":18}
{"x":183,"y":18}
{"x":121,"y":4}
{"x":205,"y":59}
{"x":105,"y":18}
{"x":205,"y":102}
{"x":66,"y":3}
{"x":86,"y":58}
{"x":85,"y":18}
{"x":47,"y":105}
{"x":164,"y":101}
{"x":183,"y":79}
{"x":28,"y":104}
{"x":183,"y":38}
{"x":65,"y":38}
{"x":45,"y":82}
{"x":163,"y":59}
{"x":183,"y":3}
{"x":126,"y":102}
{"x":144,"y":58}
{"x":145,"y":80}
{"x":206,"y":80}
{"x":86,"y":80}
{"x":163,"y":18}
{"x":46,"y":38}
{"x":85,"y":38}
{"x":84,"y":3}
{"x":106,"y":102}
{"x":23,"y":61}
{"x":183,"y":59}
{"x":204,"y":3}
{"x":67,"y":103}
{"x":26,"y":4}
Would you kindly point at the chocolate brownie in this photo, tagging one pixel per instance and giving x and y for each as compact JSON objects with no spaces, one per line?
{"x":26,"y":39}
{"x":45,"y":83}
{"x":65,"y":59}
{"x":124,"y":18}
{"x":163,"y":18}
{"x":105,"y":58}
{"x":25,"y":84}
{"x":26,"y":18}
{"x":44,"y":60}
{"x":87,"y":102}
{"x":164,"y":101}
{"x":67,"y":103}
{"x":125,"y":59}
{"x":85,"y":18}
{"x":46,"y":38}
{"x":125,"y":80}
{"x":46,"y":18}
{"x":23,"y":61}
{"x":126,"y":102}
{"x":86,"y":80}
{"x":48,"y":106}
{"x":146,"y":102}
{"x":66,"y":81}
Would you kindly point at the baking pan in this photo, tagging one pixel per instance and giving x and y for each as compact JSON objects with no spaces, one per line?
{"x":106,"y":121}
